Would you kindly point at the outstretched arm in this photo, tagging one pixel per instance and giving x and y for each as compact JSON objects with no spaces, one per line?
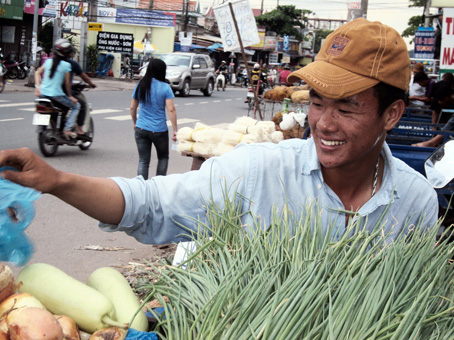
{"x":100,"y":198}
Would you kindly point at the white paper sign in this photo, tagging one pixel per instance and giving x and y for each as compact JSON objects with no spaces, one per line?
{"x":245,"y":21}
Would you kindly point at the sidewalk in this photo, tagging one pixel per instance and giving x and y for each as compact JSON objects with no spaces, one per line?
{"x":102,"y":84}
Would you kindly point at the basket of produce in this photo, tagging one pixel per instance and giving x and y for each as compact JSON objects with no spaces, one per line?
{"x":272,"y":101}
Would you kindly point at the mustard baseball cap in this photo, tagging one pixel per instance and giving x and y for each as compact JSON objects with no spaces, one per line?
{"x":355,"y":57}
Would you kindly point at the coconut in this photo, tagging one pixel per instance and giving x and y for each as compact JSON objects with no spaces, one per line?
{"x":43,"y":327}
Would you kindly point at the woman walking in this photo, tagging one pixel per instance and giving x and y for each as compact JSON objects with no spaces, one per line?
{"x":154,"y":96}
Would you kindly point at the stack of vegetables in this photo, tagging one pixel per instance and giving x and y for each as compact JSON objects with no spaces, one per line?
{"x":51,"y":305}
{"x":206,"y":141}
{"x":293,"y":281}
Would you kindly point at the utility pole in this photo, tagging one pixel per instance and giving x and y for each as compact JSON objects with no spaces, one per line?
{"x":31,"y":76}
{"x":357,"y":9}
{"x":427,"y":13}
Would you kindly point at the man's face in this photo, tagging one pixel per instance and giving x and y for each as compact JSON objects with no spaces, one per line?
{"x":346,"y":131}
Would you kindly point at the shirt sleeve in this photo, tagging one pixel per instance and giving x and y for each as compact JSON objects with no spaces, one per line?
{"x":168,"y":209}
{"x":169,"y":93}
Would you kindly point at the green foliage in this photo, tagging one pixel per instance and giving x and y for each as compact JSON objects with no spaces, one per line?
{"x":319,"y":36}
{"x":413,"y":24}
{"x":92,"y":57}
{"x":46,"y":36}
{"x":284,"y":19}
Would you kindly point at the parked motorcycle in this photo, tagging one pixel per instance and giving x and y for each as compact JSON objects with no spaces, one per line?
{"x":12,"y":67}
{"x":51,"y":119}
{"x":2,"y":78}
{"x":22,"y":71}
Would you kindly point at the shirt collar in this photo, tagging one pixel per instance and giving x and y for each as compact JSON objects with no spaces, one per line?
{"x":388,"y":186}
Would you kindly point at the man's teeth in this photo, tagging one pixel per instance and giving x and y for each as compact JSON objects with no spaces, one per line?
{"x":332,"y":142}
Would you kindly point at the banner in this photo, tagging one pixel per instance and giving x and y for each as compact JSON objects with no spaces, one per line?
{"x":424,"y":43}
{"x":135,"y":17}
{"x":447,"y":41}
{"x":245,"y":20}
{"x":115,"y":42}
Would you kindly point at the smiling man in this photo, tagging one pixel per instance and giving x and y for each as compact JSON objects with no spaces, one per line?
{"x":344,"y":172}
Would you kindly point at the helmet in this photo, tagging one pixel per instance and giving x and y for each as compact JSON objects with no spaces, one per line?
{"x":223,"y":62}
{"x":63,"y":47}
{"x":264,"y":65}
{"x":256,"y":66}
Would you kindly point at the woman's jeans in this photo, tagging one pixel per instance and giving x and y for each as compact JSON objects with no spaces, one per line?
{"x":144,"y":141}
{"x":71,"y":119}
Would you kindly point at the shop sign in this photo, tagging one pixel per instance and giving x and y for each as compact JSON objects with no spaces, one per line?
{"x":447,"y":41}
{"x":94,"y":26}
{"x":424,"y":43}
{"x":133,"y":16}
{"x":115,"y":42}
{"x":12,"y":9}
{"x":270,"y":42}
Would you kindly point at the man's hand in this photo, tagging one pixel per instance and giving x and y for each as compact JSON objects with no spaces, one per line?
{"x":33,"y":171}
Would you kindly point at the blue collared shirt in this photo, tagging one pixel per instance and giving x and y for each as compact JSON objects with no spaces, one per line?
{"x":271,"y":177}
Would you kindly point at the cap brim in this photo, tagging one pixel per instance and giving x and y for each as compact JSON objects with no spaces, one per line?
{"x":332,"y":81}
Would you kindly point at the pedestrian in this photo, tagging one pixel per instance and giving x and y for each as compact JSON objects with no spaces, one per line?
{"x":416,"y":90}
{"x":423,"y":80}
{"x":283,"y":75}
{"x":55,"y":74}
{"x":443,"y":96}
{"x":153,"y":95}
{"x":345,"y":172}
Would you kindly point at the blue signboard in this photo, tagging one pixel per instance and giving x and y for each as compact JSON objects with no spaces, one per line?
{"x":424,"y":43}
{"x":286,"y":43}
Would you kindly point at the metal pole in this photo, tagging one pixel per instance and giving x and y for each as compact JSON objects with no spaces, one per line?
{"x":31,"y":76}
{"x":245,"y":60}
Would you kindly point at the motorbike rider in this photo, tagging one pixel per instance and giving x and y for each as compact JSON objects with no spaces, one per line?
{"x":49,"y":79}
{"x":257,"y":79}
{"x":224,"y":70}
{"x":77,"y":69}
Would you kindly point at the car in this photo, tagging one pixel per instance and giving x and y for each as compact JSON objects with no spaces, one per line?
{"x":189,"y":71}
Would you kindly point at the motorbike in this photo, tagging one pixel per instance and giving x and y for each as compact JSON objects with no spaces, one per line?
{"x":250,"y":95}
{"x":22,"y":71}
{"x":221,"y":80}
{"x":12,"y":67}
{"x":50,"y":120}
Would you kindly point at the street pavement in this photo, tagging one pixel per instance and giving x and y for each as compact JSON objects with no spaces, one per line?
{"x":102,"y":84}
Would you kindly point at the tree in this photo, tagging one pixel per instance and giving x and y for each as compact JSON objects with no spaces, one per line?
{"x":284,"y":20}
{"x":320,"y":34}
{"x":415,"y":21}
{"x":46,"y":36}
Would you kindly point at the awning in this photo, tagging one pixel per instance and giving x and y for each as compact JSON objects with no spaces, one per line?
{"x":177,"y":47}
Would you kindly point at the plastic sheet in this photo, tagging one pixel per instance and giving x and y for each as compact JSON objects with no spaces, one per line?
{"x":138,"y":335}
{"x":16,"y":213}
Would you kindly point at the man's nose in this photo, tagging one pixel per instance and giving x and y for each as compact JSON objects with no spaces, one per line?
{"x":327,"y":120}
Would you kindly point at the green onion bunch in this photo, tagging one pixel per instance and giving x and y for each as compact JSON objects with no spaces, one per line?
{"x":294,"y":280}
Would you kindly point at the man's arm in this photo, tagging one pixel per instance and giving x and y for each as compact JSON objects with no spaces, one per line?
{"x":100,"y":198}
{"x":87,"y":79}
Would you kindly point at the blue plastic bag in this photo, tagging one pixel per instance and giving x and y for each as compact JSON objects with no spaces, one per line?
{"x":138,"y":335}
{"x":16,"y":213}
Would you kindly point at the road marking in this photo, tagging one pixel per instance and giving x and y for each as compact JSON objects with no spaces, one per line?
{"x":16,"y":104}
{"x":11,"y":119}
{"x":125,"y":117}
{"x":228,"y":100}
{"x":189,"y":104}
{"x":97,"y":112}
{"x":4,"y":100}
{"x":216,"y":101}
{"x":30,"y":109}
{"x":183,"y":121}
{"x":203,"y":102}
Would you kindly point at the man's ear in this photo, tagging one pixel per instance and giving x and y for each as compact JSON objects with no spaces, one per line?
{"x":393,"y":113}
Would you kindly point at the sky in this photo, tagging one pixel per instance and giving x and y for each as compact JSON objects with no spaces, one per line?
{"x":394,"y":13}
